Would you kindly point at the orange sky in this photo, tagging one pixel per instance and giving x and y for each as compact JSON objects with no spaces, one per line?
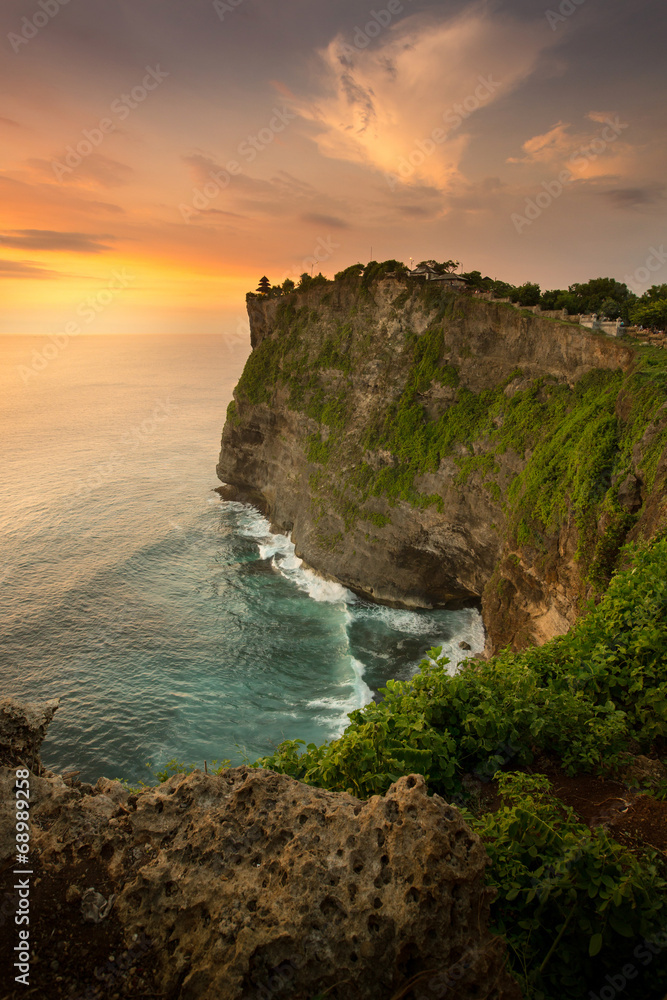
{"x":426,"y":134}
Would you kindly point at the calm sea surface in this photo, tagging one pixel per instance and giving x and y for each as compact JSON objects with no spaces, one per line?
{"x":170,"y":623}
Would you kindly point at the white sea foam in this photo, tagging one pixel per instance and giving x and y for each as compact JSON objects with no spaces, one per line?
{"x":471,"y":630}
{"x":464,"y":625}
{"x":280,"y":550}
{"x":400,"y":620}
{"x":337,"y":708}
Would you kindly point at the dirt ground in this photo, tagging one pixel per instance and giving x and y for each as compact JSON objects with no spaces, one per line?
{"x":630,"y":816}
{"x":73,"y":959}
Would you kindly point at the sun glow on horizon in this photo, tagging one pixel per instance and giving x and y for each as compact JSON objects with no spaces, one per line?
{"x":310,"y":153}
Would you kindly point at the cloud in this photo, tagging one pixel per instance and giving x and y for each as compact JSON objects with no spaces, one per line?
{"x":106,"y":206}
{"x":201,"y":166}
{"x":415,"y":211}
{"x":553,"y":145}
{"x":281,"y":195}
{"x":327,"y":221}
{"x":602,"y":117}
{"x":219,"y":211}
{"x":10,"y":122}
{"x":99,"y":170}
{"x":52,"y":240}
{"x":598,"y":154}
{"x":636,"y":197}
{"x":22,"y":269}
{"x":380,"y":104}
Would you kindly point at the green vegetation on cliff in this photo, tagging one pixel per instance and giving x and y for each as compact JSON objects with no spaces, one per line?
{"x":590,"y":697}
{"x":605,"y":297}
{"x":572,"y":903}
{"x":564,"y":458}
{"x":576,"y":441}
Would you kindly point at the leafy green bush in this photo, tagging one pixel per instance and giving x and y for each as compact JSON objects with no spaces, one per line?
{"x":375,"y":270}
{"x":585,"y":697}
{"x":572,"y":904}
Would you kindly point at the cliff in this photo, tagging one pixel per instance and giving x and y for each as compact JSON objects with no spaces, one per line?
{"x":426,"y":447}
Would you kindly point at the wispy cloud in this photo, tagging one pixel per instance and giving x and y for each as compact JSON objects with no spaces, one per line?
{"x":552,"y":145}
{"x":95,"y":170}
{"x":52,"y":240}
{"x":325,"y":221}
{"x":596,"y":154}
{"x":636,"y":197}
{"x":23,"y":269}
{"x":377,"y":103}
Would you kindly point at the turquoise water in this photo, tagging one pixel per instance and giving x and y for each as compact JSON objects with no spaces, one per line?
{"x":170,"y":623}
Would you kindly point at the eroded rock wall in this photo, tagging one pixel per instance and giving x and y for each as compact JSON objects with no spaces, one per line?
{"x":300,"y":462}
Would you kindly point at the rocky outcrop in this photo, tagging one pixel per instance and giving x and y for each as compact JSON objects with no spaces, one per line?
{"x":22,"y":731}
{"x":354,"y":511}
{"x":252,"y":885}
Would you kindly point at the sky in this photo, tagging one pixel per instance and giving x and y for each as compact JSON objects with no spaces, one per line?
{"x":158,"y":156}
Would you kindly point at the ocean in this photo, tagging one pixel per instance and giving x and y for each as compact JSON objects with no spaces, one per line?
{"x":170,"y":623}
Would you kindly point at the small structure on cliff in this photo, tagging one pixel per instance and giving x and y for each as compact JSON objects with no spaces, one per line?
{"x":429,"y":270}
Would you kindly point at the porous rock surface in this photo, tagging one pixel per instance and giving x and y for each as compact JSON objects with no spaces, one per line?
{"x":22,"y":731}
{"x":253,"y":885}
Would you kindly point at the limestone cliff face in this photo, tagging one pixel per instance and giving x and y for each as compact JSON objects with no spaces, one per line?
{"x":401,"y":433}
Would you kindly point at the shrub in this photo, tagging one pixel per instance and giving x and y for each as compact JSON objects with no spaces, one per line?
{"x":572,"y":904}
{"x":585,"y":697}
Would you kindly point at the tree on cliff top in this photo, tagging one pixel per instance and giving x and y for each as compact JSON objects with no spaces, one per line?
{"x":264,"y":286}
{"x":446,"y":267}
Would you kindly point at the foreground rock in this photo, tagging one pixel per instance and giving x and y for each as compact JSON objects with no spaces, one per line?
{"x":22,"y":731}
{"x":253,"y":885}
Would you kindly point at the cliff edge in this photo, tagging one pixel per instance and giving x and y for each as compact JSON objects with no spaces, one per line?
{"x":426,"y":447}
